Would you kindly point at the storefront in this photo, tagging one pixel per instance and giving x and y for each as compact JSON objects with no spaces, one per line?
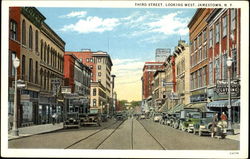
{"x":45,"y":109}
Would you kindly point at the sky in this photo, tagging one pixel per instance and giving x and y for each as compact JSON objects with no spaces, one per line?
{"x":129,"y":35}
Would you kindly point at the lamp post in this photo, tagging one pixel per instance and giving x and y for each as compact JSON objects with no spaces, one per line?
{"x":230,"y":130}
{"x":16,"y":64}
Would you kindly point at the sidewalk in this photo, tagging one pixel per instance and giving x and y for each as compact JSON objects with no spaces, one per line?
{"x":37,"y":129}
{"x":236,"y":135}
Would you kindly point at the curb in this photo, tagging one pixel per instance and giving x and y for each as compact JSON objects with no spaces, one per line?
{"x":34,"y":134}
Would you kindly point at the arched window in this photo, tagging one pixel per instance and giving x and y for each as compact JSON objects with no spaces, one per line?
{"x":36,"y":41}
{"x":36,"y":73}
{"x":48,"y":49}
{"x":45,"y":50}
{"x":24,"y":32}
{"x":30,"y":38}
{"x":31,"y":70}
{"x":23,"y":67}
{"x":41,"y":50}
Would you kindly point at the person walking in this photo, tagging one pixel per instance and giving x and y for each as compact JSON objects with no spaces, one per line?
{"x":223,"y":118}
{"x":54,"y":118}
{"x":214,"y":124}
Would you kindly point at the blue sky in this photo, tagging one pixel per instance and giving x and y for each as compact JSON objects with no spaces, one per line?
{"x":129,"y":35}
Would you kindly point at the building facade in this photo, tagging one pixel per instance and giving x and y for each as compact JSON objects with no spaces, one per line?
{"x":224,"y":42}
{"x":98,"y":101}
{"x":149,"y":69}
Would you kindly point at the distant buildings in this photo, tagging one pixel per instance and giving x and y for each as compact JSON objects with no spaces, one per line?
{"x":161,"y":54}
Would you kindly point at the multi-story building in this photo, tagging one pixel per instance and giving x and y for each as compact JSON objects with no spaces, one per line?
{"x":98,"y":101}
{"x":51,"y":73}
{"x":40,"y":51}
{"x":77,"y":77}
{"x":149,"y":69}
{"x":159,"y":89}
{"x":170,"y":83}
{"x":161,"y":54}
{"x":198,"y":32}
{"x":100,"y":63}
{"x":182,"y":65}
{"x":223,"y":26}
{"x":14,"y":51}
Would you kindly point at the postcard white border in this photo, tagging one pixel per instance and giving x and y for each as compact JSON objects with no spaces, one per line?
{"x":242,"y":153}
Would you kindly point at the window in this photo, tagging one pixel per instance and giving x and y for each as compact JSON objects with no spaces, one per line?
{"x":217,"y":32}
{"x":31,"y":70}
{"x":91,"y":59}
{"x":204,"y":76}
{"x":13,"y":30}
{"x":224,"y":23}
{"x":99,"y":73}
{"x":200,"y":55}
{"x":233,"y":19}
{"x":224,"y":71}
{"x":210,"y":73}
{"x":211,"y":38}
{"x":36,"y":75}
{"x":12,"y":68}
{"x":199,"y":78}
{"x":94,"y":92}
{"x":48,"y":52}
{"x":23,"y":67}
{"x":36,"y":41}
{"x":205,"y":35}
{"x":94,"y":102}
{"x":41,"y":50}
{"x":234,"y":64}
{"x":91,"y":67}
{"x":45,"y":49}
{"x":194,"y":44}
{"x":30,"y":38}
{"x":99,"y":67}
{"x":199,"y":39}
{"x":205,"y":52}
{"x":87,"y":60}
{"x":80,"y":59}
{"x":217,"y":69}
{"x":23,"y":32}
{"x":99,"y":59}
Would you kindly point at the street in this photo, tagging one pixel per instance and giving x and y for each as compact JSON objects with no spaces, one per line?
{"x":129,"y":134}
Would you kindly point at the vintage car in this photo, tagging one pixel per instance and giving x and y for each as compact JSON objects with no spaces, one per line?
{"x":104,"y":117}
{"x":205,"y":123}
{"x":164,"y":117}
{"x":191,"y":119}
{"x":142,"y":116}
{"x":157,"y":117}
{"x":72,"y":120}
{"x":91,"y":119}
{"x":119,"y":116}
{"x":175,"y":120}
{"x":185,"y":118}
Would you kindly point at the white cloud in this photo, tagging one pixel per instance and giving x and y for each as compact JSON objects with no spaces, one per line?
{"x":73,"y":14}
{"x":92,"y":24}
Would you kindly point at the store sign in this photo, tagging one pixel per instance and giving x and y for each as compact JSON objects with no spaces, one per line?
{"x":222,"y":87}
{"x":66,"y":89}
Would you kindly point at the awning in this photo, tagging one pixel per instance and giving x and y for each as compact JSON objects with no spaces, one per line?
{"x":201,"y":106}
{"x":178,"y":107}
{"x":224,"y":103}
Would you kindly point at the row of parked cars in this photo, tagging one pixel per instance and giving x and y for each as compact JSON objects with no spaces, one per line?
{"x":191,"y":120}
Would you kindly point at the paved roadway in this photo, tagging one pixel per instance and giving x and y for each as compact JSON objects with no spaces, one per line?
{"x":126,"y":135}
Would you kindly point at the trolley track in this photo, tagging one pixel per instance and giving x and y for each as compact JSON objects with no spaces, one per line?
{"x":95,"y":133}
{"x":152,"y":135}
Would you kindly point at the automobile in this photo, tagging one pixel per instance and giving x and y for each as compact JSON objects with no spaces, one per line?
{"x":92,"y":119}
{"x":72,"y":120}
{"x":184,"y":117}
{"x":191,"y":119}
{"x":157,"y":117}
{"x":83,"y":118}
{"x":104,"y":117}
{"x":205,"y":123}
{"x":142,"y":116}
{"x":164,"y":118}
{"x":119,"y":116}
{"x":175,"y":120}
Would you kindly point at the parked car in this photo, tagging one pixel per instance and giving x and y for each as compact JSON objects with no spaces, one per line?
{"x":191,"y":119}
{"x":175,"y":120}
{"x":205,"y":124}
{"x":164,"y":118}
{"x":104,"y":117}
{"x":119,"y":116}
{"x":157,"y":117}
{"x":92,"y":119}
{"x":184,"y":117}
{"x":142,"y":116}
{"x":72,"y":120}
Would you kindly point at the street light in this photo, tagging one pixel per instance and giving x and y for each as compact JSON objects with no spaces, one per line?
{"x":230,"y":130}
{"x":16,"y":64}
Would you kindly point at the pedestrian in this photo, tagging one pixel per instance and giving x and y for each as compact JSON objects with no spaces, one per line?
{"x":54,"y":118}
{"x":214,"y":124}
{"x":223,"y":118}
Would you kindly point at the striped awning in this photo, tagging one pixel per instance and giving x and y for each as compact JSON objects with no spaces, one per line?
{"x":224,"y":103}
